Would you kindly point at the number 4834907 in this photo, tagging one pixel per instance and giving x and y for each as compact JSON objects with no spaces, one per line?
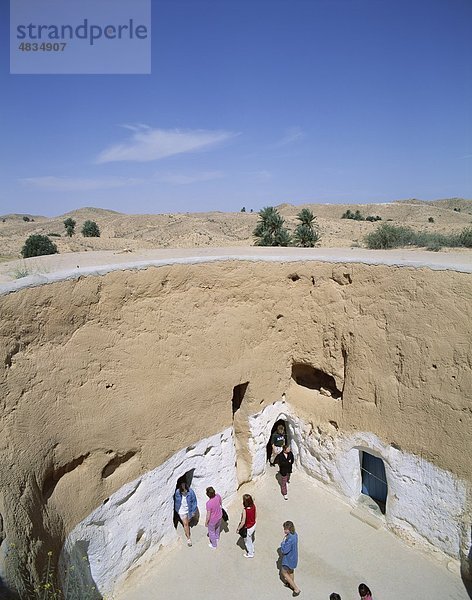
{"x":44,"y":47}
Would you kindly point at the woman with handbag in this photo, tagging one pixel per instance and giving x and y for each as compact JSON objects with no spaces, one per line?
{"x":247,"y":525}
{"x":185,"y":505}
{"x":213,"y":517}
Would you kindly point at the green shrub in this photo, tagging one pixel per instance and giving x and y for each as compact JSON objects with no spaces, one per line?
{"x":465,"y":237}
{"x":38,"y":245}
{"x":372,"y":219}
{"x":356,"y":216}
{"x":430,"y":220}
{"x":21,"y":271}
{"x":70,"y":224}
{"x":90,"y":229}
{"x":26,"y":219}
{"x":52,"y":234}
{"x":389,"y":236}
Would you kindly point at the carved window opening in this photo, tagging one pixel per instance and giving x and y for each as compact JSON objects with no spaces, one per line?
{"x":315,"y":379}
{"x":238,"y":396}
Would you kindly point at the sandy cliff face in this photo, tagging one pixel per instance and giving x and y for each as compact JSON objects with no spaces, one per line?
{"x":106,"y":378}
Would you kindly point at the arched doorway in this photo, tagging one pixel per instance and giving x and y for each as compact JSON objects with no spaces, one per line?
{"x":275,"y":426}
{"x":185,"y":478}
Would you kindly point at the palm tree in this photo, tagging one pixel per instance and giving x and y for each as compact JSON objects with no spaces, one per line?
{"x":306,"y":233}
{"x":270,"y":229}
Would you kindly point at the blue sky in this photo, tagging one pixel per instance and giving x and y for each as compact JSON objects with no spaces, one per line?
{"x":251,"y":103}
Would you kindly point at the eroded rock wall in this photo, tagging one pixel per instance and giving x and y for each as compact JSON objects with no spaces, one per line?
{"x":106,"y":378}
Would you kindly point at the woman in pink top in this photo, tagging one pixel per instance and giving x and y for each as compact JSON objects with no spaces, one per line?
{"x":213,"y":517}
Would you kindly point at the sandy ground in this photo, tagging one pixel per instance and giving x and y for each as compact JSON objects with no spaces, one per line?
{"x":44,"y":269}
{"x":337,"y":551}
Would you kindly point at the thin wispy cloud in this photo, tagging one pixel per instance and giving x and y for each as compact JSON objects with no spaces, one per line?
{"x":187,"y":178}
{"x":83,"y":184}
{"x":147,"y":144}
{"x":77,"y":184}
{"x":261,"y":175}
{"x":292,"y":135}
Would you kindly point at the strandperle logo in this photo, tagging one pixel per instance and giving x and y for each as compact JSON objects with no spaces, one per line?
{"x":83,"y":37}
{"x":85,"y":31}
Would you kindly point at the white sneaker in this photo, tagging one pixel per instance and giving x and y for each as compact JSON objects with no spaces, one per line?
{"x":189,"y":542}
{"x":246,"y":555}
{"x":210,"y":545}
{"x":285,"y":497}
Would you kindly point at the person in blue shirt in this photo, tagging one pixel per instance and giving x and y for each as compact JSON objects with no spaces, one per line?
{"x":289,"y":550}
{"x":185,"y":505}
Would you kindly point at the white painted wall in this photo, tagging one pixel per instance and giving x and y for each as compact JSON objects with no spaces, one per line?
{"x":425,"y":504}
{"x":108,"y":535}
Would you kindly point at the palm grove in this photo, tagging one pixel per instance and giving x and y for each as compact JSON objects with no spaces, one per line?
{"x":271,"y":231}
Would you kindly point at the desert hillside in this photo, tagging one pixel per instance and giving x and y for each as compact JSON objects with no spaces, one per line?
{"x":121,"y":231}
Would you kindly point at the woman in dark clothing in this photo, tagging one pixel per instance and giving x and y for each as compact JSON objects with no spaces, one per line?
{"x":285,"y":461}
{"x":364,"y":592}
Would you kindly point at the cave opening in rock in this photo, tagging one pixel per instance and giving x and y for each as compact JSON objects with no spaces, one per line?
{"x":315,"y":379}
{"x":187,"y":479}
{"x":374,"y":479}
{"x":274,"y":429}
{"x":238,"y":396}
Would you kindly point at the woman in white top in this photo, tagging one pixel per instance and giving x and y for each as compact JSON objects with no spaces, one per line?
{"x":185,"y":505}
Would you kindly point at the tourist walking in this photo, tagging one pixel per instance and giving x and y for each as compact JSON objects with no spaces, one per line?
{"x":289,"y":550}
{"x":247,"y":525}
{"x":185,"y":505}
{"x":278,"y":441}
{"x":285,"y":461}
{"x":213,"y":517}
{"x":364,"y":592}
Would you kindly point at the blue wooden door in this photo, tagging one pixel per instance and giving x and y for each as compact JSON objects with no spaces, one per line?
{"x":374,"y":480}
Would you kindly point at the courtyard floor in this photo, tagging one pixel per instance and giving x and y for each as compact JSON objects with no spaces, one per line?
{"x":337,"y":551}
